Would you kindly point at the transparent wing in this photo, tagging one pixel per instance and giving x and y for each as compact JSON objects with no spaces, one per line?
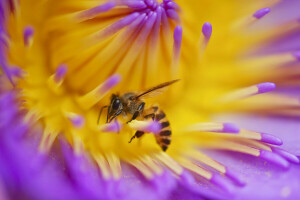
{"x":155,"y":91}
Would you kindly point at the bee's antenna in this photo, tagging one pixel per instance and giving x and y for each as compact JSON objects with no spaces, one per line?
{"x":101,"y":113}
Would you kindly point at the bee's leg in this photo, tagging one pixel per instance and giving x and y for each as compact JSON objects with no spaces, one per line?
{"x":135,"y":115}
{"x":137,"y":134}
{"x":152,"y":115}
{"x":137,"y":112}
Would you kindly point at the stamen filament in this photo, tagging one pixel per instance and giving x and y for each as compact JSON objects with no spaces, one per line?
{"x":28,"y":36}
{"x":249,"y":20}
{"x":77,"y":121}
{"x":195,"y":168}
{"x":205,"y":37}
{"x":169,"y":162}
{"x":264,"y":137}
{"x":247,"y":92}
{"x":115,"y":166}
{"x":93,"y":12}
{"x":93,"y":97}
{"x":55,"y":81}
{"x":212,"y":127}
{"x":142,"y":168}
{"x":147,"y":160}
{"x":103,"y":165}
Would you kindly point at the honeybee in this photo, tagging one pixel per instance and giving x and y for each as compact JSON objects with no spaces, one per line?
{"x":132,"y":104}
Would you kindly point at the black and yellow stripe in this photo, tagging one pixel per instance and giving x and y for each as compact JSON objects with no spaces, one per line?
{"x":163,"y":138}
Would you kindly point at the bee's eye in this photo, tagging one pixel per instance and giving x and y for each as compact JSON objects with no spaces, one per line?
{"x":116,"y":104}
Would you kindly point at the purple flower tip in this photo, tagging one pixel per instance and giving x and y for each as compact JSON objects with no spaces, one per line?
{"x":265,"y":87}
{"x":297,"y":54}
{"x":290,"y":157}
{"x":28,"y":31}
{"x":78,"y":121}
{"x":230,"y":128}
{"x":27,"y":34}
{"x":221,"y":182}
{"x":154,"y":127}
{"x":234,"y":177}
{"x":270,"y":139}
{"x":261,"y":12}
{"x":136,"y":4}
{"x":207,"y":29}
{"x":107,"y":6}
{"x":178,"y":34}
{"x":61,"y":72}
{"x":274,"y":158}
{"x":112,"y":81}
{"x":187,"y":180}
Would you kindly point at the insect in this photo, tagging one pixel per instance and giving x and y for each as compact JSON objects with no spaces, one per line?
{"x":132,"y":104}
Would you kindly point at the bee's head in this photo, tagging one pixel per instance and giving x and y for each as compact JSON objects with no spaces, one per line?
{"x":115,"y":108}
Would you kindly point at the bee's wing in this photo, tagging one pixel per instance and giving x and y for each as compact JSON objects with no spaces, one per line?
{"x":155,"y":91}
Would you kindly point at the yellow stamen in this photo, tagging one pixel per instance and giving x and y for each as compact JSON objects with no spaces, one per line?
{"x":204,"y":127}
{"x":249,"y":134}
{"x":255,"y":144}
{"x":142,"y":168}
{"x":233,"y":146}
{"x":47,"y":140}
{"x":103,"y":165}
{"x":207,"y":160}
{"x":94,"y":96}
{"x":115,"y":166}
{"x":194,"y":168}
{"x":238,"y":94}
{"x":151,"y":164}
{"x":169,"y":162}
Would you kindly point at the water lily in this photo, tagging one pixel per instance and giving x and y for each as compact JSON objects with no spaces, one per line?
{"x":229,"y":113}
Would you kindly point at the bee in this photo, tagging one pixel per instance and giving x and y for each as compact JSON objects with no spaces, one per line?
{"x":132,"y":104}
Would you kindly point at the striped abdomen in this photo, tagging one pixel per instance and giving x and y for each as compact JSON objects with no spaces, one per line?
{"x":163,"y":138}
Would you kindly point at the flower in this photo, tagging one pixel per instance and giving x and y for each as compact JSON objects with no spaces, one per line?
{"x":72,"y":57}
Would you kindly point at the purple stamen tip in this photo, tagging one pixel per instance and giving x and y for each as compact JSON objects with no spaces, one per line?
{"x":265,"y":87}
{"x":106,"y":7}
{"x":60,"y":72}
{"x":220,"y":181}
{"x":297,"y":55}
{"x":78,"y":121}
{"x":178,"y":35}
{"x":154,"y":127}
{"x":230,"y":128}
{"x":27,"y":34}
{"x":173,"y":5}
{"x":261,"y":12}
{"x":149,"y":2}
{"x":207,"y":29}
{"x":136,"y":4}
{"x":16,"y":71}
{"x":274,"y":158}
{"x":292,"y":158}
{"x":173,"y":15}
{"x":234,"y":177}
{"x":112,"y":81}
{"x":267,"y":138}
